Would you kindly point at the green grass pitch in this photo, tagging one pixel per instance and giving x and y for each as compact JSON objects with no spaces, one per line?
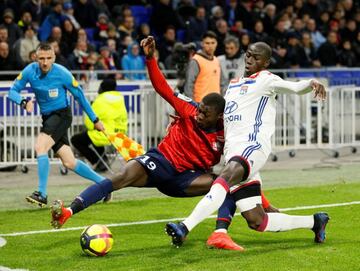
{"x":146,"y":247}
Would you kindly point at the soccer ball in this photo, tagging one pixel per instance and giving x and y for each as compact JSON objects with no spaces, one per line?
{"x":96,"y":240}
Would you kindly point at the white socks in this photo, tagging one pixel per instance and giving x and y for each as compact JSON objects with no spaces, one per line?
{"x":210,"y":203}
{"x":283,"y":222}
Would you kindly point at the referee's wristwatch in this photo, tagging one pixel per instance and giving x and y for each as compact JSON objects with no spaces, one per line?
{"x":96,"y":120}
{"x":23,"y":103}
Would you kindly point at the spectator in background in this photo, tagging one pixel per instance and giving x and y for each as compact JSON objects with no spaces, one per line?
{"x":279,"y":36}
{"x":3,"y":34}
{"x":323,"y":23}
{"x":316,"y":36}
{"x":347,"y":57}
{"x":59,"y":57}
{"x":166,"y":43}
{"x":163,"y":15}
{"x":310,"y":52}
{"x":350,"y":31}
{"x":68,"y":37}
{"x":142,"y":32}
{"x":198,"y":25}
{"x":295,"y":52}
{"x":110,"y":108}
{"x":25,"y":21}
{"x":106,"y":59}
{"x":132,"y":61}
{"x":35,"y":7}
{"x":102,"y":26}
{"x":56,"y":34}
{"x":78,"y":58}
{"x":328,"y":51}
{"x":232,"y":63}
{"x":55,"y":18}
{"x":112,"y":33}
{"x":82,"y":35}
{"x":203,"y":75}
{"x":268,"y":18}
{"x":297,"y":28}
{"x":111,"y":44}
{"x":7,"y":61}
{"x":356,"y":47}
{"x":231,"y":12}
{"x":25,"y":45}
{"x":69,"y":13}
{"x":124,"y":45}
{"x":245,"y":41}
{"x":245,"y":8}
{"x":85,"y":13}
{"x":259,"y":34}
{"x":14,"y":32}
{"x":221,"y":33}
{"x":127,"y":27}
{"x":101,"y":7}
{"x":217,"y":13}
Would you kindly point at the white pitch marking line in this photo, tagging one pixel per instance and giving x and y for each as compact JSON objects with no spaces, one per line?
{"x":170,"y":219}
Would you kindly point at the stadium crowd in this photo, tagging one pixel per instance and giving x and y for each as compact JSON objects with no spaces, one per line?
{"x":105,"y":35}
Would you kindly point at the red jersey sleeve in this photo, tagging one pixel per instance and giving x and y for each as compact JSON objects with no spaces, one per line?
{"x":182,"y":104}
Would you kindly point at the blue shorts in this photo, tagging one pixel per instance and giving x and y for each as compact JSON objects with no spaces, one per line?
{"x":163,"y":175}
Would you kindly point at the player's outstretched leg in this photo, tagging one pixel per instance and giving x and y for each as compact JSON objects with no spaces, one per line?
{"x":59,"y":214}
{"x":177,"y":232}
{"x":320,"y":222}
{"x":37,"y":198}
{"x":222,"y":240}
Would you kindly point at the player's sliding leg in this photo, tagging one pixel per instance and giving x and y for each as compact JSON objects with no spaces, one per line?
{"x":133,"y":175}
{"x":251,"y":209}
{"x":207,"y":205}
{"x":220,"y":238}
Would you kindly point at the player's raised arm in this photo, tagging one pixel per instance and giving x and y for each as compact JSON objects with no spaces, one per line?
{"x":301,"y":87}
{"x":157,"y":78}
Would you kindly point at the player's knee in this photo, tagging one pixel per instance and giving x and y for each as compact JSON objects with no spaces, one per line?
{"x":254,"y":220}
{"x":70,"y":164}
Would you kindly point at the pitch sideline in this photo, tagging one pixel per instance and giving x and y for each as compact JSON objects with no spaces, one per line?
{"x":170,"y":219}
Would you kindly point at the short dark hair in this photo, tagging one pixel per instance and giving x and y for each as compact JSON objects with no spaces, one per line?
{"x":45,"y":46}
{"x":216,"y":100}
{"x":209,"y":34}
{"x":107,"y":84}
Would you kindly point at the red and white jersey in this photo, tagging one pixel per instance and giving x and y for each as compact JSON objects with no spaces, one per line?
{"x":186,"y":146}
{"x":250,"y":110}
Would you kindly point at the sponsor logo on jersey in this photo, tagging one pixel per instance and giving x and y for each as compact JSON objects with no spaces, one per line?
{"x":232,"y":118}
{"x":230,"y":107}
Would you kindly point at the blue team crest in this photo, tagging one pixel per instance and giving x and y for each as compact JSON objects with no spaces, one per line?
{"x":243,"y":89}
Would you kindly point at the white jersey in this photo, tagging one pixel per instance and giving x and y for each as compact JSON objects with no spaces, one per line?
{"x":250,"y":111}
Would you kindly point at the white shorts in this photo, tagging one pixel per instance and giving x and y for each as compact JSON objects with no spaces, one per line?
{"x":252,"y":153}
{"x":247,"y":195}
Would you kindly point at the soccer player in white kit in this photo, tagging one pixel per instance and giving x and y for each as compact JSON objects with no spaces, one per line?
{"x":249,"y":120}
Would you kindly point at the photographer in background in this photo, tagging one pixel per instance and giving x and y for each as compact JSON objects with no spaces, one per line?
{"x":232,"y":63}
{"x":179,"y":60}
{"x":203,"y":75}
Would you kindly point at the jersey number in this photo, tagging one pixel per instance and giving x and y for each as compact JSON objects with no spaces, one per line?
{"x":150,"y":165}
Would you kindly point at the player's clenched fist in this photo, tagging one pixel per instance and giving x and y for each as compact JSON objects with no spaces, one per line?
{"x":148,"y":45}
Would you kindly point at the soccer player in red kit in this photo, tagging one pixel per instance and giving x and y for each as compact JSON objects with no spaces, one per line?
{"x":180,"y":165}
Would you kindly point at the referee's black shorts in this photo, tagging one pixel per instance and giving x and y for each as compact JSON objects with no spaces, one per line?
{"x":56,"y":125}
